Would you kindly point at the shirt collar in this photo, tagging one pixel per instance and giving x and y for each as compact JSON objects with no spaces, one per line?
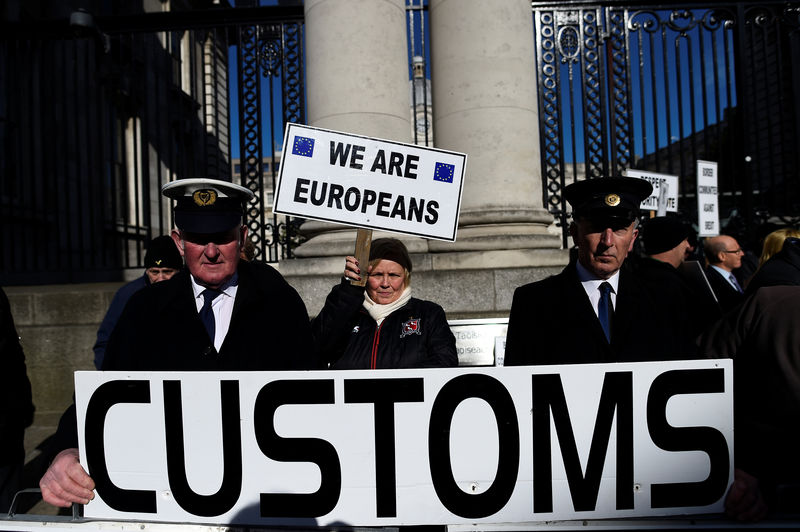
{"x":587,"y":277}
{"x":225,"y":289}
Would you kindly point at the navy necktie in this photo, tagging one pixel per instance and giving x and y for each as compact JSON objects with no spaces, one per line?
{"x":735,"y":283}
{"x":207,"y":313}
{"x":605,"y":309}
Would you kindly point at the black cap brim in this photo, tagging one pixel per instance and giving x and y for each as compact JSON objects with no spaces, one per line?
{"x":207,"y":223}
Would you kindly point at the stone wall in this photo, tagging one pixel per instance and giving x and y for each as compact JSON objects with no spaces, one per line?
{"x":57,"y":325}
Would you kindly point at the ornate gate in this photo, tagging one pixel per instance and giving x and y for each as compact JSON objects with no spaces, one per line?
{"x":658,"y":86}
{"x":98,"y":110}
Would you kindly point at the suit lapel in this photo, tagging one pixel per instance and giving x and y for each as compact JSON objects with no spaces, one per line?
{"x":584,"y":312}
{"x":626,"y":308}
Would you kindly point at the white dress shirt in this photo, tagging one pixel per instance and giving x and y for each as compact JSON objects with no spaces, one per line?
{"x":222,"y":307}
{"x":591,"y":284}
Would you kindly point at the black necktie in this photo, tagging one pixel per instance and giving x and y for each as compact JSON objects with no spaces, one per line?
{"x":605,"y":310}
{"x":206,"y":313}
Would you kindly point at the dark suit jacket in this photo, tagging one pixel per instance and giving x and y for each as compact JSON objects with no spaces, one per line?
{"x":553,"y":322}
{"x":727,"y":295}
{"x":160,"y":330}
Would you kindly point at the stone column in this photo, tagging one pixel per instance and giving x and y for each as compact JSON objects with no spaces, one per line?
{"x":485,"y":104}
{"x":356,"y":82}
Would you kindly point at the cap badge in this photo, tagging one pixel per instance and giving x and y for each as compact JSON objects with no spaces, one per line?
{"x":205,"y":197}
{"x":158,"y":262}
{"x":612,"y":200}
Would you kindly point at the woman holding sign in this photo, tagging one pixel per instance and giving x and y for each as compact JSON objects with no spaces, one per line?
{"x":381,"y":325}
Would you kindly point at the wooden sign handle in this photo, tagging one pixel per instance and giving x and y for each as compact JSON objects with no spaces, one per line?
{"x":363,"y":243}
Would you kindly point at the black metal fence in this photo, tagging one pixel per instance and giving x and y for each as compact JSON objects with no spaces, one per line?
{"x":97,"y":111}
{"x":656,"y":86}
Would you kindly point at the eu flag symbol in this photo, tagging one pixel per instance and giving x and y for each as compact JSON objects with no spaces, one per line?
{"x":303,"y":146}
{"x":444,"y":172}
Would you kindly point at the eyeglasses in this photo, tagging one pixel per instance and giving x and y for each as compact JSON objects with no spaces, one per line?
{"x":737,"y":251}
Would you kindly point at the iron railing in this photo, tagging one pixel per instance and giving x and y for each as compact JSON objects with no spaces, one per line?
{"x":97,"y":112}
{"x":656,"y":86}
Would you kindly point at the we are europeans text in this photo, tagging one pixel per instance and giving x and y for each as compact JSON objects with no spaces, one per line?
{"x":384,"y":204}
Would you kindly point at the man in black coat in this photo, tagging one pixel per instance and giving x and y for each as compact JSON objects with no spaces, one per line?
{"x":724,"y":255}
{"x":218,"y":314}
{"x":690,"y":304}
{"x":16,"y":407}
{"x":560,"y":320}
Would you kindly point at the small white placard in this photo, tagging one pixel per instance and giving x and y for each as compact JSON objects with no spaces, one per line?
{"x":707,"y":199}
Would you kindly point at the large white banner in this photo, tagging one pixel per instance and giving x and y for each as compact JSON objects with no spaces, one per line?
{"x":372,"y":183}
{"x":390,"y":447}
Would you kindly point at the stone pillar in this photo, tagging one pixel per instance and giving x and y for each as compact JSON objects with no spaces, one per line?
{"x":485,"y":104}
{"x":356,"y":82}
{"x":484,"y":101}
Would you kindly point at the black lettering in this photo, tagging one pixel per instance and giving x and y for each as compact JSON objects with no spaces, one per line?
{"x":352,"y":198}
{"x":314,"y":450}
{"x":339,"y":153}
{"x":395,"y":163}
{"x":617,"y":394}
{"x":337,"y":191}
{"x":384,"y":198}
{"x":318,"y":200}
{"x":399,"y":208}
{"x":230,"y":489}
{"x":369,"y":199}
{"x":379,"y":163}
{"x":104,"y":397}
{"x":450,"y":396}
{"x":433,"y":214}
{"x":677,"y":439}
{"x":300,"y":189}
{"x":415,"y":209}
{"x":411,"y":166}
{"x":356,"y":157}
{"x":384,"y":393}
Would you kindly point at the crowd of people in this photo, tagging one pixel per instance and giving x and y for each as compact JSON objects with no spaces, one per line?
{"x":631,"y":281}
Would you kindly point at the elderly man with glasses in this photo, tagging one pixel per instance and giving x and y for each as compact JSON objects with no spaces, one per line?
{"x":724,"y":254}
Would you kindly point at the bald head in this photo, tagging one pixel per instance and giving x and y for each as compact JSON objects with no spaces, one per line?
{"x":724,"y":252}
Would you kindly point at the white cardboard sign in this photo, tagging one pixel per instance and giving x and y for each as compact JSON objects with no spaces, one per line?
{"x":707,"y":199}
{"x":406,"y":447}
{"x":665,"y":191}
{"x":371,"y":183}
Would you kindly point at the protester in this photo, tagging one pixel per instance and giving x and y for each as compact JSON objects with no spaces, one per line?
{"x":16,"y":406}
{"x":773,"y":243}
{"x":690,"y":306}
{"x":724,"y":255}
{"x":594,"y":310}
{"x":783,"y":268}
{"x":218,"y":314}
{"x":763,"y":339}
{"x":382,"y":325}
{"x":161,"y":261}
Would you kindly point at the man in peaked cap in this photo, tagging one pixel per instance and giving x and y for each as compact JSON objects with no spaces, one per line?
{"x":594,"y":310}
{"x":219,"y":313}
